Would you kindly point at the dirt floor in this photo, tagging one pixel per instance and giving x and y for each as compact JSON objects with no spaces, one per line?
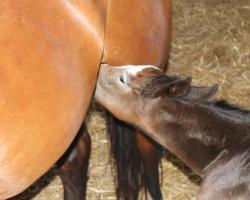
{"x":211,"y":43}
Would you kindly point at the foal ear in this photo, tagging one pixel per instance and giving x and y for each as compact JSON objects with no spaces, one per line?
{"x":202,"y":93}
{"x":179,"y":87}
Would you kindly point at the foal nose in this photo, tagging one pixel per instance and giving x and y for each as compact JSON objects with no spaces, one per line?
{"x":123,"y":77}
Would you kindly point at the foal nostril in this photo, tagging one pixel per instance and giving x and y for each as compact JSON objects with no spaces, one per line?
{"x":121,"y":78}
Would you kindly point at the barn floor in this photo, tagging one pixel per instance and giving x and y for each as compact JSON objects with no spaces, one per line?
{"x":211,"y":43}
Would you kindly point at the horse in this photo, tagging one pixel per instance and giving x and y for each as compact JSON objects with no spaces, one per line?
{"x":142,"y":36}
{"x":211,"y":136}
{"x":50,"y":54}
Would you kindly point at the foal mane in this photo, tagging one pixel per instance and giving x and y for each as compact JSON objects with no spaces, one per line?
{"x":223,"y":104}
{"x":229,"y":110}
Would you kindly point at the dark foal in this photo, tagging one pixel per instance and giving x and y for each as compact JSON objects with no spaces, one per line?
{"x":211,"y":137}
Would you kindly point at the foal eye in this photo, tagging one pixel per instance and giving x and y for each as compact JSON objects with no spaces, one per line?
{"x":121,"y":79}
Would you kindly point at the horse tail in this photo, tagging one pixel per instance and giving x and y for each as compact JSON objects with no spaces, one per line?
{"x":126,"y":159}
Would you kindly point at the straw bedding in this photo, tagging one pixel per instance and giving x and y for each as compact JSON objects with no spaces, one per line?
{"x":211,"y":43}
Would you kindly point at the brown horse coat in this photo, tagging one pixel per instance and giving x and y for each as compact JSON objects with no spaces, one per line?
{"x":50,"y":52}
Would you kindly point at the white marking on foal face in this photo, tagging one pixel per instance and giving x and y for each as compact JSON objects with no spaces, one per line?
{"x":134,"y":69}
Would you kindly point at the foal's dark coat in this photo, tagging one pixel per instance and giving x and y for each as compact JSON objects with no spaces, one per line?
{"x":212,"y":137}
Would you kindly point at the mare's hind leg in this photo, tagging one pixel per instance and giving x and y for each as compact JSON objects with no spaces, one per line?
{"x":74,"y":169}
{"x":150,"y":155}
{"x":136,"y":159}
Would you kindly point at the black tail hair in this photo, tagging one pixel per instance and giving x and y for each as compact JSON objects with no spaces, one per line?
{"x":126,"y":159}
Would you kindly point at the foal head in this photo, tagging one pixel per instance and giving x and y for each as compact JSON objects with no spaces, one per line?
{"x":128,"y":91}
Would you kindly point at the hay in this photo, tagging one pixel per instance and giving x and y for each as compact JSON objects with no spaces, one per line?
{"x":211,"y":43}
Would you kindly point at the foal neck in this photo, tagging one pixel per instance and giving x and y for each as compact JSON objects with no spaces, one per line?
{"x":197,"y":132}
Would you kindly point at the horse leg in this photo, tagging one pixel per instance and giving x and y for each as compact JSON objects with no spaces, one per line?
{"x":150,"y":155}
{"x":74,"y":169}
{"x":136,"y":159}
{"x":126,"y":159}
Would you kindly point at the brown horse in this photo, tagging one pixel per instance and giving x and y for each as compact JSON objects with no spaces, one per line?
{"x":50,"y":54}
{"x":211,"y":137}
{"x":136,"y":32}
